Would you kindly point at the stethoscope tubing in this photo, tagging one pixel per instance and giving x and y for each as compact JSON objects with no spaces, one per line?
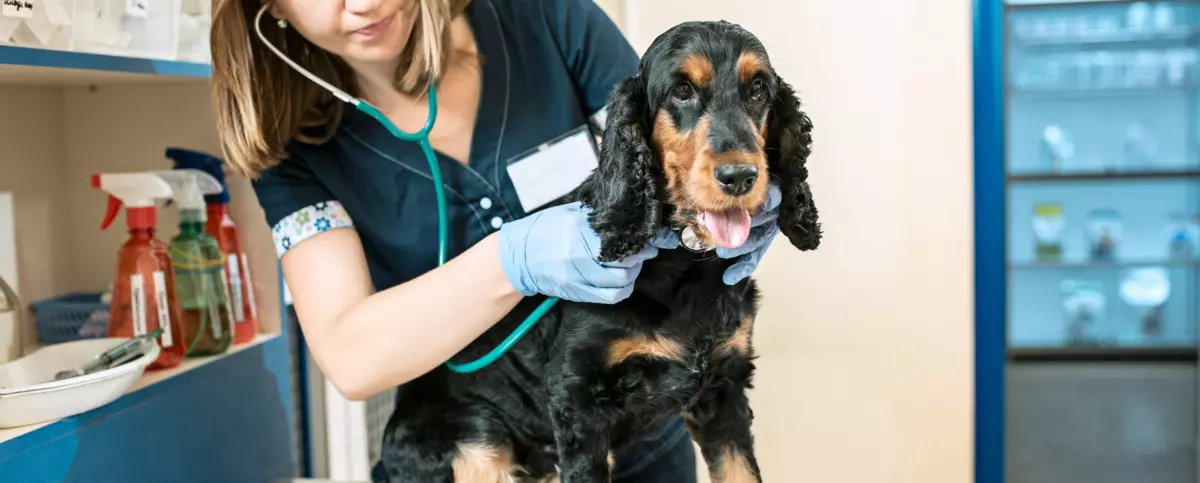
{"x":421,"y":137}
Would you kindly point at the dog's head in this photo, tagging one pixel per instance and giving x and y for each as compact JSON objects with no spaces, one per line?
{"x":694,"y":140}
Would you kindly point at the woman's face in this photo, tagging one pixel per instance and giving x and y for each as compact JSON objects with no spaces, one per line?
{"x":359,"y":31}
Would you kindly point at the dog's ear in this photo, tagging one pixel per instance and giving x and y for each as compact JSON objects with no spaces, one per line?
{"x":789,"y":142}
{"x":623,"y":191}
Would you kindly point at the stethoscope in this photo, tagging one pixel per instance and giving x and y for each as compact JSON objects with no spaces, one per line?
{"x":421,"y":137}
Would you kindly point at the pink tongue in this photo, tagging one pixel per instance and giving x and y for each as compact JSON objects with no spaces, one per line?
{"x":729,"y":229}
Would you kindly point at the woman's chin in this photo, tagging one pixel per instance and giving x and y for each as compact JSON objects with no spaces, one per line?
{"x":373,"y":54}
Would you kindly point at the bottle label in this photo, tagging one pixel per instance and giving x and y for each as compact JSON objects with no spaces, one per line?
{"x":18,"y":8}
{"x":164,"y":310}
{"x":235,"y":286}
{"x":249,"y":287}
{"x":217,"y":317}
{"x":137,"y":300}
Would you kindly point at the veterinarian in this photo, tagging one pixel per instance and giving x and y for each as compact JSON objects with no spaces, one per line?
{"x":520,"y":84}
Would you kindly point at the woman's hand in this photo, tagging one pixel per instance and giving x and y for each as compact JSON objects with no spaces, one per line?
{"x":763,"y":228}
{"x":554,"y":251}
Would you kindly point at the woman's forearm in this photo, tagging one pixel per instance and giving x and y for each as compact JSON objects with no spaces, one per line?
{"x":393,"y":336}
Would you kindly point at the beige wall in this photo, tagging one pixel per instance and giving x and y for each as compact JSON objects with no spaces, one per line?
{"x":866,"y":344}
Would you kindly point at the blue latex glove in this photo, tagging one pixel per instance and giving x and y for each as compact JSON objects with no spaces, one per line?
{"x":763,"y":228}
{"x":553,"y":252}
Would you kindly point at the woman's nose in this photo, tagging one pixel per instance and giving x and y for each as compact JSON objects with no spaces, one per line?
{"x":362,"y":7}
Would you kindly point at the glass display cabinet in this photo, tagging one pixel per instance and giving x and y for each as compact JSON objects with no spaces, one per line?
{"x":1087,"y":190}
{"x":1103,"y":180}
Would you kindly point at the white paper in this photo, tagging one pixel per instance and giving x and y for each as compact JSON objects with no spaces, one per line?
{"x":19,"y":8}
{"x":57,"y":15}
{"x":554,"y":169}
{"x":164,"y":309}
{"x":137,"y":301}
{"x":10,"y":344}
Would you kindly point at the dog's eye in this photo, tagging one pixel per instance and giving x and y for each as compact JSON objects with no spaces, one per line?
{"x":758,"y":89}
{"x":683,"y":91}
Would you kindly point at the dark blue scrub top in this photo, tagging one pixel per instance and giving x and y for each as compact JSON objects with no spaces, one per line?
{"x":548,"y":68}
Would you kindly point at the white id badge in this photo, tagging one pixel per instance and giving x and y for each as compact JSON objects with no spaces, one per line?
{"x":551,"y":170}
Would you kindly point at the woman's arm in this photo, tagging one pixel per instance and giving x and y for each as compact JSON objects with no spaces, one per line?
{"x":368,"y":342}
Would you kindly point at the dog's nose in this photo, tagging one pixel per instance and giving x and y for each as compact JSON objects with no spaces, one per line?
{"x":736,"y":179}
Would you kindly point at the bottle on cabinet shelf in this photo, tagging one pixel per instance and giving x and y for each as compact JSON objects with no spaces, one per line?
{"x":199,"y":268}
{"x":144,"y":294}
{"x":222,"y":227}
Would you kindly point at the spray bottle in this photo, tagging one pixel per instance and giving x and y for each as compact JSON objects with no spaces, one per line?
{"x":143,"y":296}
{"x":199,"y":267}
{"x":221,"y":226}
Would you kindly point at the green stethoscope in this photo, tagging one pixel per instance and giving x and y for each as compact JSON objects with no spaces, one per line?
{"x":422,"y":138}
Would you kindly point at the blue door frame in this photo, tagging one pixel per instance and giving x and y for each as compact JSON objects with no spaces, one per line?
{"x":990,"y":274}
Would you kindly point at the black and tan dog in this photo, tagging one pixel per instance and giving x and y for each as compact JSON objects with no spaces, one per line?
{"x":692,"y":143}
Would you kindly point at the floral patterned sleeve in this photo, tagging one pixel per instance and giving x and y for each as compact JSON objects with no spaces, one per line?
{"x":296,"y":204}
{"x":308,"y":221}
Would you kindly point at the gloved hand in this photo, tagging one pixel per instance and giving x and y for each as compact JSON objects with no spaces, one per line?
{"x":553,"y":252}
{"x":763,"y":228}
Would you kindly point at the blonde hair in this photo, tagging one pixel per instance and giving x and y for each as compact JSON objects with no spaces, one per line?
{"x":262,"y":104}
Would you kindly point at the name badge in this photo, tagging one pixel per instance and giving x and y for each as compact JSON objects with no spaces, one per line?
{"x":555,"y":168}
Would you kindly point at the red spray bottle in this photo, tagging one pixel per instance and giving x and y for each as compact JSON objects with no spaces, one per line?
{"x":221,"y":226}
{"x":143,"y":297}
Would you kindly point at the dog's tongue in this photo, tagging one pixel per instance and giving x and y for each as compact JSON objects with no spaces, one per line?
{"x":729,"y":229}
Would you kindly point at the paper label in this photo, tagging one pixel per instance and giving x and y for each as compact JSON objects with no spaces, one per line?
{"x":137,"y":8}
{"x":164,"y":310}
{"x":137,"y":301}
{"x":249,"y":288}
{"x":19,"y":8}
{"x":235,"y":286}
{"x":219,"y":318}
{"x":553,"y":169}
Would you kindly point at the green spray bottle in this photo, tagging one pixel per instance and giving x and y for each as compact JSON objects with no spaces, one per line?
{"x":199,"y":268}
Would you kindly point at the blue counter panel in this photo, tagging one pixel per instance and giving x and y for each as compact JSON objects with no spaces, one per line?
{"x":12,"y":55}
{"x":226,"y":421}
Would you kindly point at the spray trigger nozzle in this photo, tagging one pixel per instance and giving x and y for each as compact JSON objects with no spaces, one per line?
{"x":114,"y":207}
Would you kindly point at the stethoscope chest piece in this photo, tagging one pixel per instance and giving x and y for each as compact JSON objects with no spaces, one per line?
{"x":689,"y":240}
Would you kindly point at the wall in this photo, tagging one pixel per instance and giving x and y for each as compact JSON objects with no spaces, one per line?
{"x":866,"y":344}
{"x":32,"y":167}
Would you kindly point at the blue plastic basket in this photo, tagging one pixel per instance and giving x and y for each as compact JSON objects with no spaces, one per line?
{"x":71,"y":317}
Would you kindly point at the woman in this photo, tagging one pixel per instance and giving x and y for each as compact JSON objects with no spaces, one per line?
{"x":353,"y":209}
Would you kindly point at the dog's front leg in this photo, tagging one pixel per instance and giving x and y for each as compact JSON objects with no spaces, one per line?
{"x":581,"y":433}
{"x":720,"y":423}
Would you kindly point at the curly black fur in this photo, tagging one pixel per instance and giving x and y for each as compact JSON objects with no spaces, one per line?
{"x":624,"y":190}
{"x":589,"y":379}
{"x":789,"y":142}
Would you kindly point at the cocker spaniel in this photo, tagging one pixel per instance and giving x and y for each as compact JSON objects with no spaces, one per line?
{"x":692,"y":143}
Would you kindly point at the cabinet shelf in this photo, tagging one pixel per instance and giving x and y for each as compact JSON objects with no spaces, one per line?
{"x":1097,"y":92}
{"x":1172,"y":35}
{"x":1017,"y":4}
{"x":1165,"y":174}
{"x":1165,"y":353}
{"x":1088,"y":265}
{"x":26,"y":65}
